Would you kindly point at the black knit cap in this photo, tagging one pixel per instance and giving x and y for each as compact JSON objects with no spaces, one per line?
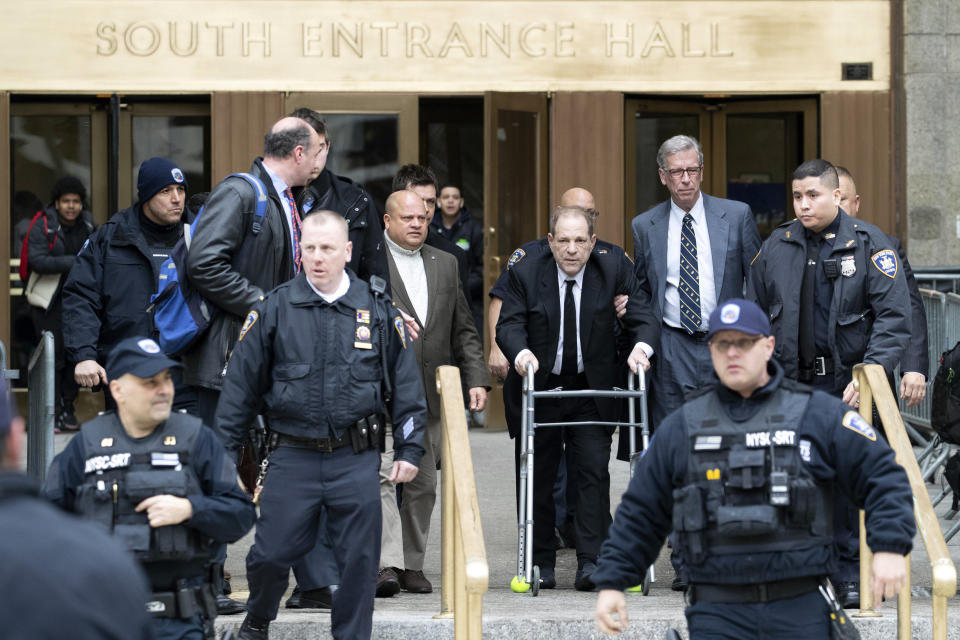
{"x":154,"y":175}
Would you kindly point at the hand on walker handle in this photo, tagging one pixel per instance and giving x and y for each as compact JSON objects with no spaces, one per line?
{"x":638,"y":357}
{"x":523,"y":360}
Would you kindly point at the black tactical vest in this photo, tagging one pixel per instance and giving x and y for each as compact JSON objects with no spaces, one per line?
{"x":121,"y":472}
{"x":747,"y":490}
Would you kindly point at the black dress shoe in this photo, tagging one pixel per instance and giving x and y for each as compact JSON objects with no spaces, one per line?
{"x":548,"y":578}
{"x":678,"y":584}
{"x":228,"y":606}
{"x":584,"y":579}
{"x":388,"y":583}
{"x":414,"y":581}
{"x":848,"y":594}
{"x":321,"y":598}
{"x":253,"y":630}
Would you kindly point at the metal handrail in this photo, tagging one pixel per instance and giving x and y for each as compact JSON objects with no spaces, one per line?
{"x":874,"y":389}
{"x":464,"y":571}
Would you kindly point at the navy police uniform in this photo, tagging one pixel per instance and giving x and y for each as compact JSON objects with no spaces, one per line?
{"x":317,"y":371}
{"x":104,"y":473}
{"x":860,"y":313}
{"x":756,"y":545}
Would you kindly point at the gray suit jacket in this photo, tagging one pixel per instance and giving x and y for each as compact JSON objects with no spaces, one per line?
{"x":734,"y":243}
{"x":447,"y":328}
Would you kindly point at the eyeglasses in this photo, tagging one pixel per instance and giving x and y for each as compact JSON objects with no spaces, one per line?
{"x":741,"y":344}
{"x":693,"y":172}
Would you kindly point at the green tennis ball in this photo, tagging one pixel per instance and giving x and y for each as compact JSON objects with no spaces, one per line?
{"x":519,"y":585}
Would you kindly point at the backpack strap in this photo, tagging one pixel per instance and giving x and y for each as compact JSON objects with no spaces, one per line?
{"x":261,"y":206}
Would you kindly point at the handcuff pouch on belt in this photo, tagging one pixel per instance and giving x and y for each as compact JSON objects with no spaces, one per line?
{"x":366,"y":433}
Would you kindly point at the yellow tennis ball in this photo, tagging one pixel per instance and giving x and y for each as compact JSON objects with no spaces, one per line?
{"x":519,"y":585}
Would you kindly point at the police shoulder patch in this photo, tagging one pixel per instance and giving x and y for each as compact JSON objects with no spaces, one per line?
{"x":853,"y":421}
{"x":886,"y":262}
{"x":516,"y":257}
{"x":398,"y":325}
{"x":248,"y":323}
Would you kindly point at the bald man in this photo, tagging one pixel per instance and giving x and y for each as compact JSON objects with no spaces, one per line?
{"x":232,"y":262}
{"x":915,"y":363}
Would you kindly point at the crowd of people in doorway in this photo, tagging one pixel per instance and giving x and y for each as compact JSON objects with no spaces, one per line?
{"x":328,"y":321}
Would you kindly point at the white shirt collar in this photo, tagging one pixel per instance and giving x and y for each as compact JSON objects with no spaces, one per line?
{"x":562,"y":277}
{"x":696,"y":211}
{"x":341,"y":291}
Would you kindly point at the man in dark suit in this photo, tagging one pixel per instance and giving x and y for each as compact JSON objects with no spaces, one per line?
{"x":426,"y":285}
{"x":558,"y":316}
{"x":690,"y":253}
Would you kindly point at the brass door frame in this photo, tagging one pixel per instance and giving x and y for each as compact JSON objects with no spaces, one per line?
{"x":406,"y":106}
{"x":99,"y":171}
{"x":493,"y":103}
{"x":125,"y":169}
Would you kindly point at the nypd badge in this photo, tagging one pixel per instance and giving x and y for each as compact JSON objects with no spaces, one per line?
{"x":848,"y":266}
{"x":853,"y":421}
{"x":363,"y":333}
{"x":248,"y":323}
{"x":516,"y":257}
{"x":886,"y":262}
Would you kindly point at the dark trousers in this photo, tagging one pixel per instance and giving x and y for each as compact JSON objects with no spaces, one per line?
{"x":299,"y":485}
{"x":804,"y":617}
{"x":682,"y":365}
{"x":174,"y":629}
{"x":590,"y":447}
{"x":65,"y":385}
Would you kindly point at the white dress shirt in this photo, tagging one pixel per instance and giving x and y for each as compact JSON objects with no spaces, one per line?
{"x":336,"y":295}
{"x":410,"y":267}
{"x":280,"y":186}
{"x":708,"y":291}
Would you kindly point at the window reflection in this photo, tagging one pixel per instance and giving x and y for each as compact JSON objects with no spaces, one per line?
{"x":180,"y":139}
{"x":364,"y":149}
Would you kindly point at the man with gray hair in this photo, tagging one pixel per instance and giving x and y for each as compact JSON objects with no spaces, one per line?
{"x":691,"y":253}
{"x":232,"y":263}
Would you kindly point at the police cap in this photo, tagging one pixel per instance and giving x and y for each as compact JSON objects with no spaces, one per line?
{"x":139,"y":356}
{"x":739,"y":315}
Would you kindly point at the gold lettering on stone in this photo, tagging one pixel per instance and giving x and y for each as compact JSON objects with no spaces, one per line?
{"x":455,"y":40}
{"x":384,"y":28}
{"x":657,"y":40}
{"x":106,"y":31}
{"x":715,"y":50}
{"x":353,"y":40}
{"x":191,"y":47}
{"x":247,"y":38}
{"x":609,"y":39}
{"x":311,"y":39}
{"x":525,"y":46}
{"x":219,"y":29}
{"x":564,"y":40}
{"x":418,"y":36}
{"x":501,"y":39}
{"x":137,"y":44}
{"x":685,"y":49}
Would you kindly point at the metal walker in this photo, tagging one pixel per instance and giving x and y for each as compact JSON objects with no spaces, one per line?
{"x":528,"y":575}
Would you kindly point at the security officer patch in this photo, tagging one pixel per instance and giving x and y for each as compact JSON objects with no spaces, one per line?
{"x":853,"y":421}
{"x":398,"y":325}
{"x":886,"y":262}
{"x":516,"y":257}
{"x":249,"y":322}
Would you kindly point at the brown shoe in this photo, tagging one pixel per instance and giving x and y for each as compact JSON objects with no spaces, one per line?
{"x":387,"y":583}
{"x":415,"y":582}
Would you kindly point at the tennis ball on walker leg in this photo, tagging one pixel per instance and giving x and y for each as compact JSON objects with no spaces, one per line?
{"x":519,"y":585}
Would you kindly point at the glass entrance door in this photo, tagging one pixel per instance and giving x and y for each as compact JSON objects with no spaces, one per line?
{"x":750,"y":148}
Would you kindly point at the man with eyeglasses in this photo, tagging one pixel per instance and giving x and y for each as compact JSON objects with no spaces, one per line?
{"x":691,"y":253}
{"x":558,"y":315}
{"x":744,"y":473}
{"x":834,"y":290}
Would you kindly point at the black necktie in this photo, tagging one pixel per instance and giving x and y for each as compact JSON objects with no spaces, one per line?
{"x":568,"y":366}
{"x":807,"y":349}
{"x":690,"y":316}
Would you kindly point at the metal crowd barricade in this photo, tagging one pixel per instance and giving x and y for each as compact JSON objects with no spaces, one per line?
{"x":943,"y":331}
{"x":41,"y":393}
{"x":9,"y":374}
{"x":528,"y":575}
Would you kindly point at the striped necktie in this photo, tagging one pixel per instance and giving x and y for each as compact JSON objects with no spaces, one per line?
{"x":295,"y":219}
{"x":690,"y":316}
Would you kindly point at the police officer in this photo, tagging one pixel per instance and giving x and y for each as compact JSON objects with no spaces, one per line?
{"x":850,"y":305}
{"x":320,"y":353}
{"x":60,"y":577}
{"x":744,"y":473}
{"x":161,"y":483}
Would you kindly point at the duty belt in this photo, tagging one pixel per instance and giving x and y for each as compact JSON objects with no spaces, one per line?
{"x":822,"y":366}
{"x":182,"y":603}
{"x":752,"y":593}
{"x":316,"y":444}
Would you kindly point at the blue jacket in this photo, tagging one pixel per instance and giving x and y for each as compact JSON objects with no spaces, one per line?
{"x":862,"y":467}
